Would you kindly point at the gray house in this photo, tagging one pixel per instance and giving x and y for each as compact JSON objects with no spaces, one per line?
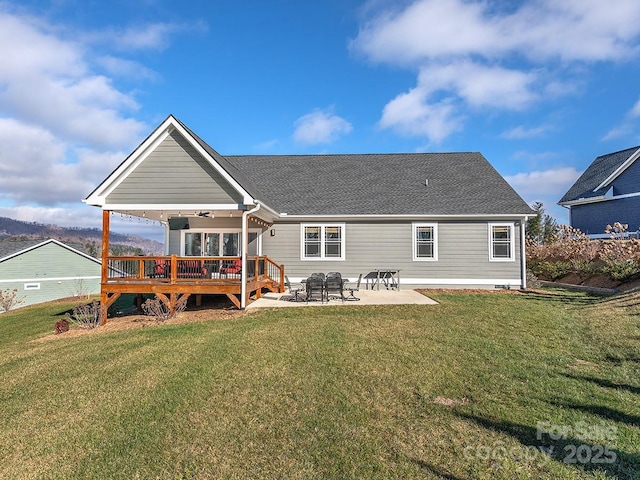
{"x":441,"y":219}
{"x":42,"y":271}
{"x":608,"y":191}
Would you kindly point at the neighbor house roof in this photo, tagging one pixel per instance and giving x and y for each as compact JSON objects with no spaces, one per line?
{"x":11,"y":248}
{"x":381,"y":184}
{"x":595,"y":181}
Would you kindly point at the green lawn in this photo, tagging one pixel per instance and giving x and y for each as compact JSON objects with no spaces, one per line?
{"x":334,"y":392}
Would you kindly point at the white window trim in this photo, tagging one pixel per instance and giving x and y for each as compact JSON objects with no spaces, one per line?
{"x":512,"y":246}
{"x":414,"y":242}
{"x":220,"y":231}
{"x":322,"y":257}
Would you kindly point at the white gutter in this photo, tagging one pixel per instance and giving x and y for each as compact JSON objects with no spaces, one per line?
{"x":245,"y":246}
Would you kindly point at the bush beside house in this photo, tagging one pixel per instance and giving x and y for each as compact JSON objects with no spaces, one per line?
{"x":570,"y":256}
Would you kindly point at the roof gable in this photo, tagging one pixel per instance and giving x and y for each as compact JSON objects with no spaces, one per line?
{"x":595,"y":180}
{"x":173,"y":173}
{"x":10,"y":250}
{"x":208,"y":160}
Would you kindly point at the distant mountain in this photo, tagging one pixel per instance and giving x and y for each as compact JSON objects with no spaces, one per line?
{"x":91,"y":238}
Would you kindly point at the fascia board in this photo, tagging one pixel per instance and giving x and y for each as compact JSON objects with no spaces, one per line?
{"x":174,"y":206}
{"x":585,"y":201}
{"x":515,"y":216}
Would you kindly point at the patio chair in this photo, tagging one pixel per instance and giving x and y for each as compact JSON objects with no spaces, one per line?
{"x":233,"y":267}
{"x":162,"y":269}
{"x":315,"y":289}
{"x":334,"y":286}
{"x":294,"y":291}
{"x":351,"y":297}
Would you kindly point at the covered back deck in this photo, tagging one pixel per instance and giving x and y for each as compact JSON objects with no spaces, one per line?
{"x":173,"y":279}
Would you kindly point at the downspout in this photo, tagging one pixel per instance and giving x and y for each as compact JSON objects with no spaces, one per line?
{"x":523,"y":255}
{"x":245,"y":246}
{"x":166,"y":238}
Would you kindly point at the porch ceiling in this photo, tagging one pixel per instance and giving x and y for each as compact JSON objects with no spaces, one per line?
{"x":163,"y":216}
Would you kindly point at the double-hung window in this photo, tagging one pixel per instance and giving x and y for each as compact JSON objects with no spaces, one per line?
{"x":501,"y":242}
{"x":425,"y":241}
{"x":322,"y":241}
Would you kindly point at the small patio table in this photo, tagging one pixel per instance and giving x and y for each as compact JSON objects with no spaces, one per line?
{"x":390,"y":278}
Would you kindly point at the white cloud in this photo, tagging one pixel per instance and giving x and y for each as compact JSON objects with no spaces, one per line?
{"x":546,"y":186}
{"x":537,"y":29}
{"x":47,"y":81}
{"x":417,"y":113}
{"x":543,"y":183}
{"x":411,"y":114}
{"x":151,"y":36}
{"x":492,"y":55}
{"x":626,"y":127}
{"x":480,"y":85}
{"x":635,"y":110}
{"x":64,"y":125}
{"x":320,"y":127}
{"x":35,"y":166}
{"x":520,"y":132}
{"x":120,"y":67}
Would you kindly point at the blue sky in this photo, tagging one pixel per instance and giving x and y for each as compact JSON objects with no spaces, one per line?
{"x":540,"y":87}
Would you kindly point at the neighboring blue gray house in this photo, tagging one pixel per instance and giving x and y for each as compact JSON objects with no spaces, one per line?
{"x":42,"y":271}
{"x":442,"y":219}
{"x":608,"y":191}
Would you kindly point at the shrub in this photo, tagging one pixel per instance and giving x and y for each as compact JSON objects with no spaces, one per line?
{"x":620,"y":269}
{"x":86,"y":316}
{"x":550,"y":270}
{"x":156,"y":308}
{"x":9,"y":299}
{"x":571,"y":251}
{"x":62,"y":326}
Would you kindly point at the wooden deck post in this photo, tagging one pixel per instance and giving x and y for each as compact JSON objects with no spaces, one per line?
{"x":106,"y":217}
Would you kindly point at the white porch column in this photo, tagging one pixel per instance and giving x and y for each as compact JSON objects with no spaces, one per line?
{"x":245,"y":246}
{"x":523,"y":255}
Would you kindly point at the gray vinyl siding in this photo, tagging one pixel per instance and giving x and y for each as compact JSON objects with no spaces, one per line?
{"x":59,"y":272}
{"x":463,"y":252}
{"x":174,"y":173}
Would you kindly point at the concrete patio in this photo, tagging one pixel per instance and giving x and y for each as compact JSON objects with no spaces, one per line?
{"x":367,"y":297}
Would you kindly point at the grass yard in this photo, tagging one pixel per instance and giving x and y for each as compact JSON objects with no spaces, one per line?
{"x":476,"y":387}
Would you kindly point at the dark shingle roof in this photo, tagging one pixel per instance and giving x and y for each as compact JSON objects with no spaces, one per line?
{"x":595,"y":174}
{"x":369,"y":184}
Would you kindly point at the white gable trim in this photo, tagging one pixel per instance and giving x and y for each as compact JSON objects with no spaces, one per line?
{"x":99,"y":195}
{"x":626,"y":164}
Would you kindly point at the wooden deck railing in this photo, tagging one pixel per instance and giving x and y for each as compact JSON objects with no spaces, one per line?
{"x":173,"y":269}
